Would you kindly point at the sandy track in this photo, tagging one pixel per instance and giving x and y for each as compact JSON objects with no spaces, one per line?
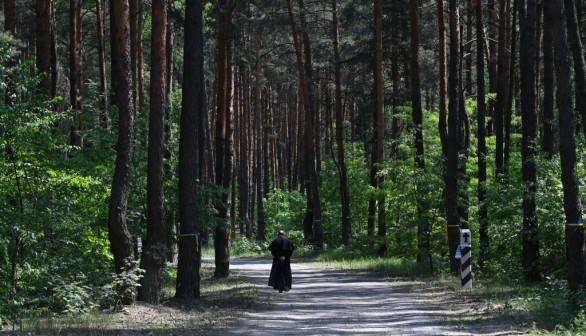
{"x":326,"y":301}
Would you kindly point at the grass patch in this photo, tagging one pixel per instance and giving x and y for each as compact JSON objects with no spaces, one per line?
{"x":222,"y":301}
{"x":340,"y":258}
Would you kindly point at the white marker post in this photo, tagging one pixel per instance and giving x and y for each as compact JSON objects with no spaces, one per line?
{"x":466,"y":260}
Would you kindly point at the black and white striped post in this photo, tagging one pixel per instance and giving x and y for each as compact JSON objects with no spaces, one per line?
{"x":466,"y":260}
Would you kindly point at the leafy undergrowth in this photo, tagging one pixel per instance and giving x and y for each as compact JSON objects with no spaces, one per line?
{"x":222,"y":301}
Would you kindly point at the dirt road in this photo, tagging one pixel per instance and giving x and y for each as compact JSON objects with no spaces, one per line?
{"x":325,"y":301}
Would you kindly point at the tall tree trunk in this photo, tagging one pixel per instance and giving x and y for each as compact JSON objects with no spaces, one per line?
{"x":499,"y":108}
{"x":313,"y":211}
{"x":313,"y":144}
{"x":372,"y":203}
{"x":417,"y":112}
{"x":538,"y":37}
{"x":548,"y":82}
{"x":342,"y":169}
{"x":101,"y":48}
{"x":75,"y":69}
{"x":223,"y":138}
{"x":379,"y":120}
{"x":43,"y":44}
{"x":261,"y":226}
{"x":575,"y":42}
{"x":248,"y":99}
{"x":54,"y":59}
{"x":191,"y":138}
{"x":468,"y":47}
{"x":574,"y":230}
{"x":530,"y":254}
{"x":463,"y":151}
{"x":10,"y":16}
{"x":513,"y":85}
{"x":120,"y":239}
{"x":243,"y":176}
{"x":442,"y":77}
{"x":492,"y":31}
{"x":133,"y":46}
{"x":267,"y":134}
{"x":155,"y":247}
{"x":451,"y":191}
{"x":139,"y":56}
{"x":169,"y":170}
{"x":295,"y":143}
{"x":481,"y":135}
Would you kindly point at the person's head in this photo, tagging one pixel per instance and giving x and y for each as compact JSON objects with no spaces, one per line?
{"x":281,"y":233}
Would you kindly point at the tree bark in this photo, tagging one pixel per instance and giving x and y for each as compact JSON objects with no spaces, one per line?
{"x":451,"y":191}
{"x":155,"y":246}
{"x":513,"y":85}
{"x":267,"y":134}
{"x":139,"y":56}
{"x":75,"y":69}
{"x":243,"y":153}
{"x":311,"y":118}
{"x":313,"y":211}
{"x":468,"y":47}
{"x":574,"y":230}
{"x":481,"y":135}
{"x":10,"y":16}
{"x":133,"y":18}
{"x":499,"y":108}
{"x":223,"y":138}
{"x":101,"y":48}
{"x":442,"y":124}
{"x":54,"y":59}
{"x":191,"y":138}
{"x":548,"y":82}
{"x":378,"y":121}
{"x":259,"y":173}
{"x":575,"y":42}
{"x":530,"y":254}
{"x":492,"y":60}
{"x":377,"y":126}
{"x":417,"y":116}
{"x":43,"y":44}
{"x":463,"y":151}
{"x":342,"y":169}
{"x":120,"y":239}
{"x":169,"y":169}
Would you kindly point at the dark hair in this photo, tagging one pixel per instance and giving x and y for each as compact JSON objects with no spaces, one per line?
{"x":281,"y":233}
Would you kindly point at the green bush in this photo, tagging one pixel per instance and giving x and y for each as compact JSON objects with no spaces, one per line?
{"x":284,"y":211}
{"x":72,"y":296}
{"x":242,"y":246}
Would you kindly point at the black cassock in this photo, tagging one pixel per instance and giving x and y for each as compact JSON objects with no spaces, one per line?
{"x":281,"y":271}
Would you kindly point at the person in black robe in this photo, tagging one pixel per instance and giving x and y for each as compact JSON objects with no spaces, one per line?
{"x":281,"y":249}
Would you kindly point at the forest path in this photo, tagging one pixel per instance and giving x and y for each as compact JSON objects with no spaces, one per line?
{"x":325,"y":301}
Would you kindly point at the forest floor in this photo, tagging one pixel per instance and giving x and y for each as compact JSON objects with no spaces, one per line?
{"x":323,"y":301}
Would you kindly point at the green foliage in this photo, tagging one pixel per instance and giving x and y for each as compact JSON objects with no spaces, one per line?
{"x":72,"y":296}
{"x":53,"y":237}
{"x":242,"y":246}
{"x":123,"y":286}
{"x":285,"y":211}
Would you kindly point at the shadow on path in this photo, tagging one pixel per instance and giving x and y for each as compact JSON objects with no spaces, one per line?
{"x":333,"y":302}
